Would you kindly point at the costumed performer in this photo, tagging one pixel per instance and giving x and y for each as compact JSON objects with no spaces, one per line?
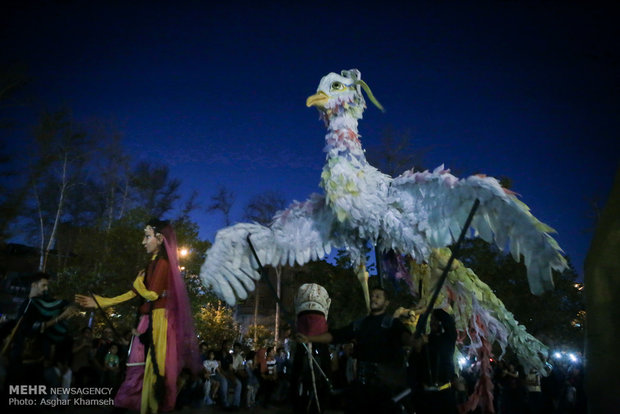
{"x":164,"y":341}
{"x":431,"y":365}
{"x":310,"y":388}
{"x":38,"y":342}
{"x":379,"y":340}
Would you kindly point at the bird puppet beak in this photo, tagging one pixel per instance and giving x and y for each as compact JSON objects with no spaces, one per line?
{"x":318,"y":99}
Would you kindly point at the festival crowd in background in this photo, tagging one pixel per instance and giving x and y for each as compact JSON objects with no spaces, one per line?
{"x":237,"y":376}
{"x":374,"y":364}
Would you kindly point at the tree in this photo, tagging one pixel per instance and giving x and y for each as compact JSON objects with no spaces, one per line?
{"x":62,"y":151}
{"x":222,"y":201}
{"x":261,"y":208}
{"x":215,"y":323}
{"x":549,"y":316}
{"x":261,"y":335}
{"x":154,"y":189}
{"x":395,"y":154}
{"x":191,"y":257}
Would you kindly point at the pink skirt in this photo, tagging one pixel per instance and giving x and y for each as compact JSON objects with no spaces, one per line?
{"x":129,"y":394}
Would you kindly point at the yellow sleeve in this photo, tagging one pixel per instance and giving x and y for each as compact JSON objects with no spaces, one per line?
{"x":139,"y":287}
{"x":105,"y":302}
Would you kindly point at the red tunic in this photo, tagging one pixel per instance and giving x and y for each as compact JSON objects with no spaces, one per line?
{"x":156,"y":280}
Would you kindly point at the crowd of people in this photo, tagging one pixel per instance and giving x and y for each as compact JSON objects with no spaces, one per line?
{"x":374,"y":364}
{"x":236,"y":376}
{"x":558,"y":390}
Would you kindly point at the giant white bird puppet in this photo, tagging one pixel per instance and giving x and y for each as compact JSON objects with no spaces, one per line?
{"x":411,"y":214}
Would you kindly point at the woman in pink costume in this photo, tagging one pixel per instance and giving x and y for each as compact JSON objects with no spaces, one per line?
{"x":164,"y":341}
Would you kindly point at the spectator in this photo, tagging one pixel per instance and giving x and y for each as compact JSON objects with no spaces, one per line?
{"x":102,"y":346}
{"x":346,"y":366}
{"x":283,"y":369}
{"x":85,"y":374}
{"x":238,"y":367}
{"x":189,"y":390}
{"x":252,"y":380}
{"x":124,"y":345}
{"x":111,"y":368}
{"x":227,"y":378}
{"x":534,"y":392}
{"x":203,"y":348}
{"x":269,"y":378}
{"x":211,"y":384}
{"x":512,"y":395}
{"x":553,"y":387}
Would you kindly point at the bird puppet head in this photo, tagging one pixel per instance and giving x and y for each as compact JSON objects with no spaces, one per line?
{"x":342,"y":93}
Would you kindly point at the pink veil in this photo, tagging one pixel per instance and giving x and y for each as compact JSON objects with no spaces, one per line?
{"x":179,"y":310}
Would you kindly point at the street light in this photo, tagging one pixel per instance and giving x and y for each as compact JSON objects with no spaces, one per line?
{"x":183,"y":251}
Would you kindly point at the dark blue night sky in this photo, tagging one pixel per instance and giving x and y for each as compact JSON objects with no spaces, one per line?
{"x":526,"y":90}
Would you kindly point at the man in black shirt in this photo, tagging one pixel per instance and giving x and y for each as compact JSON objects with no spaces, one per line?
{"x":432,"y":364}
{"x":379,"y":339}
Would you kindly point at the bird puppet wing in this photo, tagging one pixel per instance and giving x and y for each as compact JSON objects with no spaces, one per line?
{"x":428,"y":210}
{"x":299,"y":234}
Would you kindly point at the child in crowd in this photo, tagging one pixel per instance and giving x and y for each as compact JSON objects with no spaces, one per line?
{"x":111,"y":366}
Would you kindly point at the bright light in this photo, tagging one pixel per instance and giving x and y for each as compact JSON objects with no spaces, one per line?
{"x":557,"y":355}
{"x":462,"y":362}
{"x":572,"y":357}
{"x":183,"y":252}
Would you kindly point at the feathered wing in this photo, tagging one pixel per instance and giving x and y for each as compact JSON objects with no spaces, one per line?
{"x":478,"y":312}
{"x":428,"y":209}
{"x":481,"y":319}
{"x":299,"y":234}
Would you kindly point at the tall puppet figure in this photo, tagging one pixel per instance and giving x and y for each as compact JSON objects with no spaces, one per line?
{"x":164,"y":341}
{"x":311,"y":389}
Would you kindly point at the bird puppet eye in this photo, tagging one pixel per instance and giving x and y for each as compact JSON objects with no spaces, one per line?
{"x":337,"y":86}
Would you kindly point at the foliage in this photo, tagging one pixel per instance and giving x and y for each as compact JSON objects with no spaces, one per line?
{"x":187,"y":238}
{"x":215,"y":323}
{"x":264,"y":336}
{"x":395,"y":153}
{"x":57,"y":168}
{"x":262,"y":207}
{"x":89,"y":212}
{"x":551,"y":316}
{"x":154,"y":188}
{"x":222,"y":201}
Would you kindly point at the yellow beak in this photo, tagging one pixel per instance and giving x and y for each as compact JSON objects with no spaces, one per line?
{"x":318,"y":99}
